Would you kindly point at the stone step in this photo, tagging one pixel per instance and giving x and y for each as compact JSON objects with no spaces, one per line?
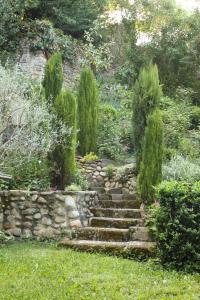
{"x":123,"y":196}
{"x":123,"y":248}
{"x":116,"y":212}
{"x":115,"y":191}
{"x":139,"y":234}
{"x":102,"y":234}
{"x":100,"y":190}
{"x":115,"y":222}
{"x":120,"y":203}
{"x":117,"y":196}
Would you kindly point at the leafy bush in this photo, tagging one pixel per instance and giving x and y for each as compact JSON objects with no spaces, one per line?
{"x":109,"y":143}
{"x":109,"y":171}
{"x":89,"y":157}
{"x":26,"y":131}
{"x":43,"y":36}
{"x":195,"y":118}
{"x":182,"y":169}
{"x":80,"y":180}
{"x":31,"y":175}
{"x":178,"y":225}
{"x":122,"y":174}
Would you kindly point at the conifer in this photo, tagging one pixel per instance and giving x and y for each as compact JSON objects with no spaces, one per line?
{"x":53,"y":78}
{"x":88,"y":104}
{"x":151,"y":166}
{"x":147,"y":93}
{"x":64,"y":154}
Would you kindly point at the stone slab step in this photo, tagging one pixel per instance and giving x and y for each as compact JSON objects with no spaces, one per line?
{"x":102,"y":234}
{"x":139,"y":234}
{"x":117,"y":196}
{"x":115,"y":222}
{"x":123,"y":196}
{"x":120,"y":203}
{"x":116,"y":212}
{"x":137,"y":247}
{"x":115,"y":191}
{"x":100,"y":190}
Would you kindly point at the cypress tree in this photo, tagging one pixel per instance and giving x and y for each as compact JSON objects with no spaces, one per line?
{"x":53,"y":78}
{"x":147,"y":93}
{"x":151,"y":166}
{"x":88,"y":103}
{"x":64,"y":154}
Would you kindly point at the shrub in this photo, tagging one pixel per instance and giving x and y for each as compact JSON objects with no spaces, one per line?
{"x":195,"y":118}
{"x":109,"y":171}
{"x":88,"y":104}
{"x":182,"y":169}
{"x":89,"y":157}
{"x":26,"y":130}
{"x":80,"y":180}
{"x":64,"y":154}
{"x":32,"y":175}
{"x":178,"y":223}
{"x":151,"y":166}
{"x":147,"y":93}
{"x":109,"y":144}
{"x":122,"y":174}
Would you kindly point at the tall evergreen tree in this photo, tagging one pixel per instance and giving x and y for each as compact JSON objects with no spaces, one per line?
{"x":147,"y":93}
{"x":88,"y":104}
{"x":151,"y":166}
{"x":53,"y":78}
{"x":64,"y":154}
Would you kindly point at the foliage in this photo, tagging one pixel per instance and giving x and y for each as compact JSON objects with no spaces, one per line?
{"x":97,"y":50}
{"x":182,"y":169}
{"x":73,"y":17}
{"x":64,"y":154}
{"x":151,"y":165}
{"x":89,"y":157}
{"x":109,"y":144}
{"x":195,"y":118}
{"x":88,"y":105}
{"x":4,"y":184}
{"x":31,"y":175}
{"x":26,"y":131}
{"x":40,"y":263}
{"x":109,"y":171}
{"x":147,"y":93}
{"x":151,"y":213}
{"x":180,"y":119}
{"x":122,"y":174}
{"x":43,"y":36}
{"x":53,"y":78}
{"x":177,"y":223}
{"x":13,"y":22}
{"x":5,"y":238}
{"x":81,"y":180}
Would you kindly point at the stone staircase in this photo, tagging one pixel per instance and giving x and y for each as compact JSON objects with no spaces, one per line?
{"x":116,"y":226}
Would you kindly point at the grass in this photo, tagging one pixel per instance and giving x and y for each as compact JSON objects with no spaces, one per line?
{"x":39,"y":271}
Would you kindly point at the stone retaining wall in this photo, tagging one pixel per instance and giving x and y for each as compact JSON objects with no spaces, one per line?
{"x":44,"y":214}
{"x":98,"y":176}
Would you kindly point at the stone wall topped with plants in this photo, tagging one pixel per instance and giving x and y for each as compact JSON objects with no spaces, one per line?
{"x":102,"y":173}
{"x":44,"y":214}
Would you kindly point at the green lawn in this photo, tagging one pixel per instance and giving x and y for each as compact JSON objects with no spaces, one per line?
{"x":39,"y":271}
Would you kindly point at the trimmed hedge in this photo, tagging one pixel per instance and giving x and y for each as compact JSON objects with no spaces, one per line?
{"x":178,"y":225}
